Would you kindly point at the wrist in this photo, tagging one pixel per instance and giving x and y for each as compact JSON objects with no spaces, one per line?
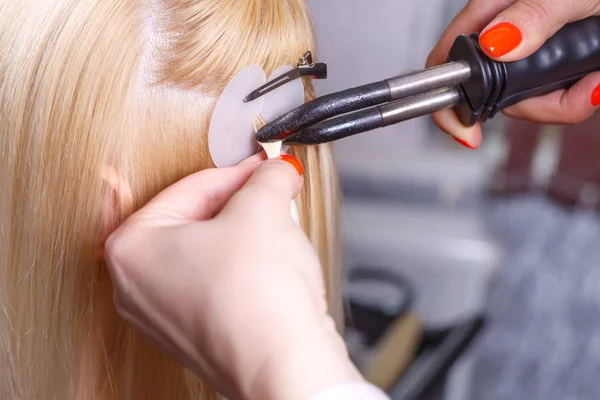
{"x":302,"y":367}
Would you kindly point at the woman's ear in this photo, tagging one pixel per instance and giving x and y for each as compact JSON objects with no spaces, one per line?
{"x":116,"y":204}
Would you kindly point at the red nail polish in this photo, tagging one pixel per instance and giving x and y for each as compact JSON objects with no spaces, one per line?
{"x":596,"y":96}
{"x":294,"y":161}
{"x":464,"y":143}
{"x":501,"y":39}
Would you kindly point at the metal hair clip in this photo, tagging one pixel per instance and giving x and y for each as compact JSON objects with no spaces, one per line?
{"x":306,"y":67}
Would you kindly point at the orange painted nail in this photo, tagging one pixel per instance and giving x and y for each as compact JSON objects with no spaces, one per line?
{"x":294,"y":161}
{"x":501,"y":39}
{"x":464,"y":143}
{"x":596,"y":96}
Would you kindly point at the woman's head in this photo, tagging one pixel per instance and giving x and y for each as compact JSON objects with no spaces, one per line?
{"x":103,"y":103}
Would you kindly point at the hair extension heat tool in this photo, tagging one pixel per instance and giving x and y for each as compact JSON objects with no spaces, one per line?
{"x":473,"y":84}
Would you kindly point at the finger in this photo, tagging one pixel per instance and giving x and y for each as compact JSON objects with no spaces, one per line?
{"x":467,"y":136}
{"x":473,"y":18}
{"x":521,"y":29}
{"x":562,"y":107}
{"x":256,"y":158}
{"x":199,"y":196}
{"x":270,"y":189}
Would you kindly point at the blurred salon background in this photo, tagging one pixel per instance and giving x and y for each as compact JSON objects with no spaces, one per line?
{"x":471,"y":275}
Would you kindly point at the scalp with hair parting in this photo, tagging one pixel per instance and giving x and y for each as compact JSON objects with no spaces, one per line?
{"x":128,"y":86}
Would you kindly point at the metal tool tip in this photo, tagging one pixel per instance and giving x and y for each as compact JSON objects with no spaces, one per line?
{"x":264,"y":136}
{"x":251,"y":97}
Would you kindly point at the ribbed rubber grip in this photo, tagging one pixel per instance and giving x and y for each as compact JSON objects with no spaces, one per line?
{"x":572,"y":53}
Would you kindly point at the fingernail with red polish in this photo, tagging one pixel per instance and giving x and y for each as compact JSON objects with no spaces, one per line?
{"x":294,"y":161}
{"x":501,"y":39}
{"x":464,"y":143}
{"x":596,"y":96}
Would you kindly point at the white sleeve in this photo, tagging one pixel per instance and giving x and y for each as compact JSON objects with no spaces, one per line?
{"x":351,"y":391}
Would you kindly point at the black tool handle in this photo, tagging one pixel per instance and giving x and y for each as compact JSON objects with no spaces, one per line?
{"x":572,"y":53}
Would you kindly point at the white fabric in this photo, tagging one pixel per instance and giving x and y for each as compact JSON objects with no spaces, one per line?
{"x":351,"y":391}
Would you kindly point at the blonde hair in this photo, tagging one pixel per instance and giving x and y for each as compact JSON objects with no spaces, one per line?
{"x":129,"y":84}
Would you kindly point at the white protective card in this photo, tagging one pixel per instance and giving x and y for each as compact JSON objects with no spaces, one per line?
{"x":231,"y":135}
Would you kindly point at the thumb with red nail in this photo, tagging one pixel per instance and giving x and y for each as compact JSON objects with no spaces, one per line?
{"x":215,"y":272}
{"x":513,"y":30}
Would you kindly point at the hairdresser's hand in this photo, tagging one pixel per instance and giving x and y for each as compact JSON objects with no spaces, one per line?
{"x":512,"y":30}
{"x":216,"y":273}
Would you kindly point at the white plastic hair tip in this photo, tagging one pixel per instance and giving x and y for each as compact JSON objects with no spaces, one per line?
{"x":273,"y":149}
{"x":231,"y":134}
{"x":283,"y":99}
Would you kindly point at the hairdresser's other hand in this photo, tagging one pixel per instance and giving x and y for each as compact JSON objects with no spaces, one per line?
{"x":512,"y":30}
{"x":216,"y":273}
